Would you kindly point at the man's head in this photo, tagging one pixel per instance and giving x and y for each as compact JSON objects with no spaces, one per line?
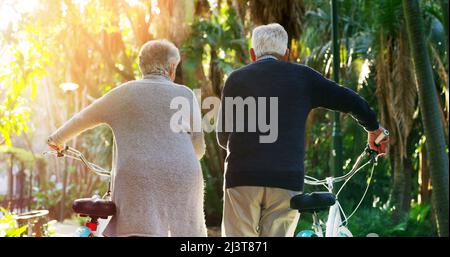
{"x":159,"y":56}
{"x":269,"y":39}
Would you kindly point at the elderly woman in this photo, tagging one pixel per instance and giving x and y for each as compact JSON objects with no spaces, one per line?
{"x":157,"y":178}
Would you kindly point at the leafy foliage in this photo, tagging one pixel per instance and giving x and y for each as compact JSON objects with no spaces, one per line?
{"x":8,"y":225}
{"x":95,"y":44}
{"x":378,"y":220}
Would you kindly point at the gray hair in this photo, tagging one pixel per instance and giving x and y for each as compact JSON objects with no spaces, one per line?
{"x":156,"y":56}
{"x":269,"y":39}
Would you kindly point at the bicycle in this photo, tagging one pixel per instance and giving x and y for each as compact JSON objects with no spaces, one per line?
{"x":320,"y":201}
{"x":95,"y":207}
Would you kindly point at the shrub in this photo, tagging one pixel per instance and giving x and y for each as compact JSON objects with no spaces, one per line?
{"x":8,"y":225}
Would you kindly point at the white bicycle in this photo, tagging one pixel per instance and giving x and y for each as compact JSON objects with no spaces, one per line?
{"x":320,"y":201}
{"x":95,"y":207}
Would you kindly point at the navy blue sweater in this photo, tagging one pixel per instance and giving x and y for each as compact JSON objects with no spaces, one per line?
{"x":299,"y":89}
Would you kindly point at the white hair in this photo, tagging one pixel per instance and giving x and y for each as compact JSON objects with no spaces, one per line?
{"x":269,"y":39}
{"x":156,"y":56}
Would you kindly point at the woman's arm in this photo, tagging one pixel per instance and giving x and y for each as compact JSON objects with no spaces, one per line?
{"x":91,"y":116}
{"x":196,"y":129}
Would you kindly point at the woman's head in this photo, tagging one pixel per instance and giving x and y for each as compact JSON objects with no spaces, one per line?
{"x":159,"y":56}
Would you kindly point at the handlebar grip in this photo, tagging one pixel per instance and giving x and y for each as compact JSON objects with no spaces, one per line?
{"x":61,"y":153}
{"x":382,"y":136}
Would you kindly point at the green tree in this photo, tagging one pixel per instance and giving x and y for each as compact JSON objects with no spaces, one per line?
{"x":397,"y":97}
{"x":429,"y":107}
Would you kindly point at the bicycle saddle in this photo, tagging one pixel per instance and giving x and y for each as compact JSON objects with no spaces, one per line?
{"x":312,"y":202}
{"x":94,"y":207}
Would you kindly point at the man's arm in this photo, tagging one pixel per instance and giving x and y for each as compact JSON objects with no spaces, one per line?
{"x":328,"y":94}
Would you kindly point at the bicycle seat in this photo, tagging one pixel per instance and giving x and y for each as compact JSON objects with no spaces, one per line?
{"x":94,"y":207}
{"x":312,"y":202}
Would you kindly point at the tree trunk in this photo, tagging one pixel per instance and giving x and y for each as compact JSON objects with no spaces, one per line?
{"x":215,"y":74}
{"x":407,"y":171}
{"x":429,"y":106}
{"x":444,"y":6}
{"x":240,"y":10}
{"x":214,"y":155}
{"x":10,"y":192}
{"x":424,"y":178}
{"x":401,"y":188}
{"x":21,"y":188}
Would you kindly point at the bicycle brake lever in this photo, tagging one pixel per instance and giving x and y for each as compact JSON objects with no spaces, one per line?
{"x":371,"y":153}
{"x":61,"y":153}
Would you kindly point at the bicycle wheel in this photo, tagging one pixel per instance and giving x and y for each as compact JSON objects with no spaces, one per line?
{"x":306,"y":233}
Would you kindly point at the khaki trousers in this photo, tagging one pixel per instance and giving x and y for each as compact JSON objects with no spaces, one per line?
{"x":258,"y":211}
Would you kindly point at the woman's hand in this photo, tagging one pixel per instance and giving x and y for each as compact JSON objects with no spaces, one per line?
{"x":52,"y":144}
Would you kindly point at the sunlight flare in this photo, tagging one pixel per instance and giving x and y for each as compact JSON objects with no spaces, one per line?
{"x":11,"y":11}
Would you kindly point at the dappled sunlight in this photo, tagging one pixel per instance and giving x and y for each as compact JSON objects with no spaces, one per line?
{"x":12,"y":10}
{"x":58,"y":57}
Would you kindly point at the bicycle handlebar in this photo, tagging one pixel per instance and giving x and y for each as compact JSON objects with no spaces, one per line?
{"x":77,"y":155}
{"x":356,"y":167}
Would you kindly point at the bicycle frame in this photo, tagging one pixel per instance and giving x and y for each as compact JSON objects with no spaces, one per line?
{"x":334,"y":224}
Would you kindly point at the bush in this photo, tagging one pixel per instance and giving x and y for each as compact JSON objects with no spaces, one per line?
{"x":379,"y":221}
{"x":8,"y":225}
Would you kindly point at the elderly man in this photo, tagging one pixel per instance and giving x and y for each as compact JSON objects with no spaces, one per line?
{"x":261,"y":177}
{"x":158,"y":182}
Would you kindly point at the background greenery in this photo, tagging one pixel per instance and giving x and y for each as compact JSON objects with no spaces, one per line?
{"x":95,"y":44}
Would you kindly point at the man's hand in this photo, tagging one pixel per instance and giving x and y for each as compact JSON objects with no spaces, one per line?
{"x":382,"y":147}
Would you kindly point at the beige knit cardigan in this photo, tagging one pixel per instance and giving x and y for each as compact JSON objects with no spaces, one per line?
{"x":157,"y":179}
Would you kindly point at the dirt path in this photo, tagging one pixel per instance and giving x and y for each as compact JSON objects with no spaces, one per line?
{"x":68,"y":228}
{"x":65,"y":229}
